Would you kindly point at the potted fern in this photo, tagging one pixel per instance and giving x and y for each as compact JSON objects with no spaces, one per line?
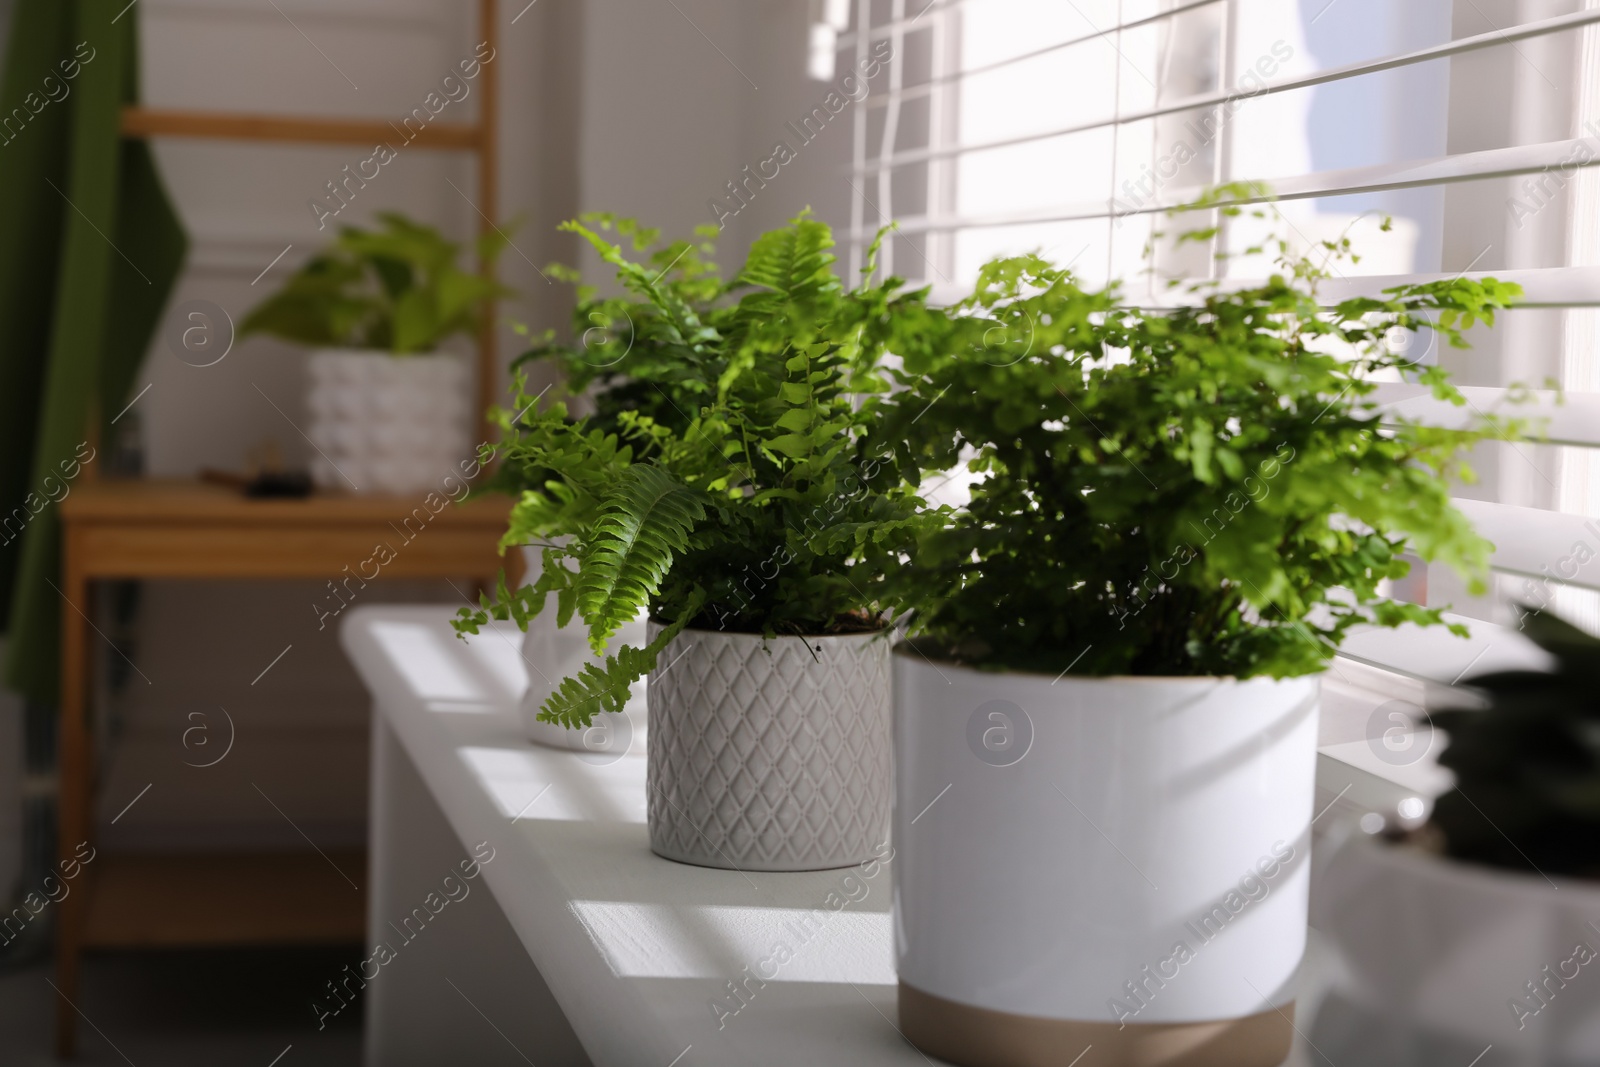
{"x":624,"y":351}
{"x":1507,"y":870}
{"x":759,"y":532}
{"x":1176,"y":517}
{"x":389,"y":410}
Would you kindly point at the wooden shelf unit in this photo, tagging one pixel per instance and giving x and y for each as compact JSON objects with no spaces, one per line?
{"x":201,"y":901}
{"x":143,"y":122}
{"x":177,"y":530}
{"x":168,"y":530}
{"x":165,"y":530}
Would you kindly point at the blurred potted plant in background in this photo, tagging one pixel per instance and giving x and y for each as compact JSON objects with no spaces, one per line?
{"x":1177,"y":515}
{"x":1484,"y":926}
{"x":759,"y":534}
{"x":389,"y":410}
{"x":1530,"y":760}
{"x":627,"y":352}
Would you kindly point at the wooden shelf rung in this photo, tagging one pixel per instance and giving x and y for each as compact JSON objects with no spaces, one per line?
{"x":163,"y":901}
{"x":216,"y":125}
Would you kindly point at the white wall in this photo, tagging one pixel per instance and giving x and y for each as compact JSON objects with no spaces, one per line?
{"x":677,"y":101}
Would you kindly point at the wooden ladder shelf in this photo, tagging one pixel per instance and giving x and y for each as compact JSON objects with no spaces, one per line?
{"x":136,"y":529}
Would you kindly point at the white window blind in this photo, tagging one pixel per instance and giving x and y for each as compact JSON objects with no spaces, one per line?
{"x":1071,"y":126}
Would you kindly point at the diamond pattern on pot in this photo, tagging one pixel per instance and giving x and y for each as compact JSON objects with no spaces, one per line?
{"x":769,"y":756}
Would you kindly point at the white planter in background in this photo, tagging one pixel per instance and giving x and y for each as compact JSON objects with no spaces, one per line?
{"x":385,"y":423}
{"x":553,"y":653}
{"x":769,"y":755}
{"x":1435,"y":953}
{"x":1056,"y":840}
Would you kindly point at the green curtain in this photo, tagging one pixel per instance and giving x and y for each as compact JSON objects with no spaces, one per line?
{"x":90,"y":248}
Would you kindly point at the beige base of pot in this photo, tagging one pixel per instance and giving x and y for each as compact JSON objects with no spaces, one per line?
{"x":978,"y":1037}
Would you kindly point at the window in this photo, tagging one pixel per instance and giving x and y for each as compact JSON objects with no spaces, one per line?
{"x":1071,"y":125}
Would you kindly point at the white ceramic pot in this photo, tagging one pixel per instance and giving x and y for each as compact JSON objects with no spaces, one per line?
{"x":1119,"y":863}
{"x":769,"y":755}
{"x":386,"y":423}
{"x":1436,"y":956}
{"x":553,"y":653}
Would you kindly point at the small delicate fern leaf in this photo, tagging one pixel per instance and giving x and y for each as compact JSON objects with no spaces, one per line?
{"x":870,"y":266}
{"x":521,"y":605}
{"x":643,"y":525}
{"x":604,"y":687}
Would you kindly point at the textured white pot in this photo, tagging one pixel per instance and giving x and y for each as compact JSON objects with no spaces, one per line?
{"x":385,"y":423}
{"x":1437,"y":956}
{"x":769,"y":755}
{"x":1057,"y":840}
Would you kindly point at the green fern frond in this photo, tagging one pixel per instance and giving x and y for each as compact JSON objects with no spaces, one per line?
{"x":524,"y":603}
{"x":870,"y":264}
{"x":643,"y":525}
{"x":647,"y":284}
{"x":793,"y":262}
{"x":604,"y":687}
{"x":851,"y":537}
{"x":792,"y":269}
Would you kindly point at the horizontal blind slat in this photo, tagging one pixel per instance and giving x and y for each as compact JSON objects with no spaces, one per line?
{"x":1204,"y":100}
{"x":1434,"y":654}
{"x":1542,"y":287}
{"x":889,"y":29}
{"x":1537,"y":543}
{"x":916,"y":92}
{"x":1567,"y":155}
{"x":1575,"y":421}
